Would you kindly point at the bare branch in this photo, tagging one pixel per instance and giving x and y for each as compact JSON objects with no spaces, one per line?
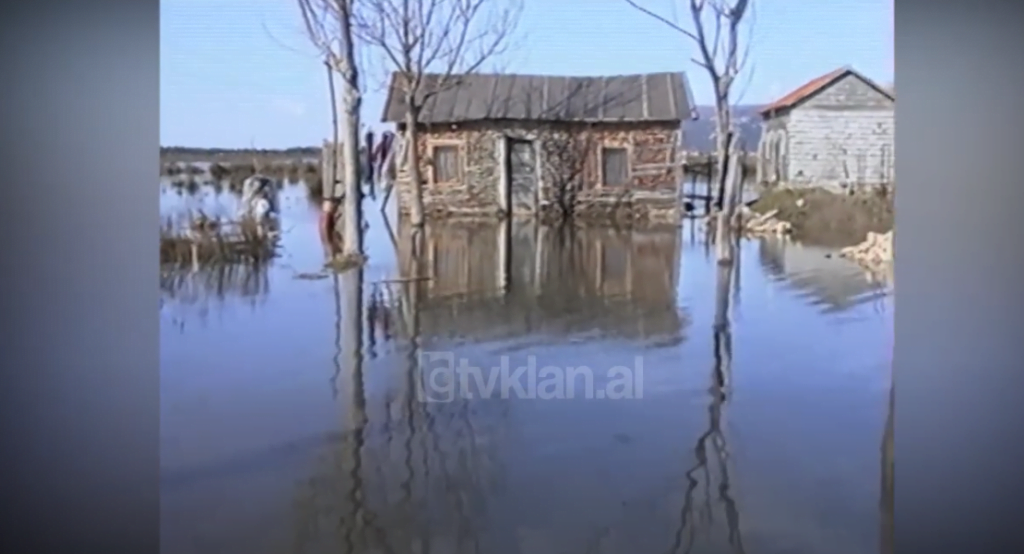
{"x":281,"y":43}
{"x":722,"y":58}
{"x":328,"y":26}
{"x":440,"y":38}
{"x":663,"y":19}
{"x":715,"y":31}
{"x":429,"y":45}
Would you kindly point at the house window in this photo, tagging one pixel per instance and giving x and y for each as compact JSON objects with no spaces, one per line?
{"x":446,"y":163}
{"x":614,"y":167}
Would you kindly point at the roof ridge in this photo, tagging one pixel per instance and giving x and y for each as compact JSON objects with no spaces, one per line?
{"x":641,"y":97}
{"x":808,"y":88}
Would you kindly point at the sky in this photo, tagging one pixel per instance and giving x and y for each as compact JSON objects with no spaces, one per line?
{"x":241,"y":74}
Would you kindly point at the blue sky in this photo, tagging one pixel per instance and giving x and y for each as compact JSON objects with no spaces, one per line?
{"x":238,"y":73}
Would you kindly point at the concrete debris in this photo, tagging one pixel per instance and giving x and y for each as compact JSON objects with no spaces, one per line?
{"x":751,"y":223}
{"x":876,"y":251}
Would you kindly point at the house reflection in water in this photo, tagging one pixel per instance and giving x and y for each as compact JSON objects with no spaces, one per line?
{"x":833,"y":283}
{"x":491,"y":281}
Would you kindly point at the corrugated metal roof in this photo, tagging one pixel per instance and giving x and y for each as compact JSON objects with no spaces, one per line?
{"x":815,"y":85}
{"x":647,"y":97}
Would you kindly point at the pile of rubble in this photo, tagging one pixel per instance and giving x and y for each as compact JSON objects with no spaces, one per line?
{"x":752,"y":223}
{"x":875,"y":251}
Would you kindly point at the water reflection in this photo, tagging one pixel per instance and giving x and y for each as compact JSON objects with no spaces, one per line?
{"x":298,"y":426}
{"x":528,"y":284}
{"x":335,"y":500}
{"x":414,"y":479}
{"x":200,"y":290}
{"x":830,"y":282}
{"x":692,"y":516}
{"x":887,"y":500}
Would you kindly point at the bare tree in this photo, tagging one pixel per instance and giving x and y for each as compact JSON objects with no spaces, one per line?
{"x":329,"y":25}
{"x":717,"y":26}
{"x":566,"y":155}
{"x":429,"y":45}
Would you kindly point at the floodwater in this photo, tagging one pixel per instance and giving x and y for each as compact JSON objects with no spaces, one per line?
{"x":293,"y":417}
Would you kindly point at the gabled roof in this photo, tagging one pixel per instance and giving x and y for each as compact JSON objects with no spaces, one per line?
{"x":818,"y":84}
{"x":654,"y":97}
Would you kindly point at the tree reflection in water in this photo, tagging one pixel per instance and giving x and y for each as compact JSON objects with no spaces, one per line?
{"x":691,"y":516}
{"x":430,"y":495}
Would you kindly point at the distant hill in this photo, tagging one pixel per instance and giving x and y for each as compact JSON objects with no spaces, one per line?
{"x":699,"y":137}
{"x":700,"y":134}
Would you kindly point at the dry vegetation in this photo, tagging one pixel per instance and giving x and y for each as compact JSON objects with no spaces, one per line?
{"x":828,"y":218}
{"x":190,"y":168}
{"x":206,"y":241}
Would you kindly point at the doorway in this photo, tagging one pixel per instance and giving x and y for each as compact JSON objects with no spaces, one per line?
{"x":521,"y":170}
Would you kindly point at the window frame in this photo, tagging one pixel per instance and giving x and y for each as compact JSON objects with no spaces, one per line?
{"x":460,"y":162}
{"x":625,"y":148}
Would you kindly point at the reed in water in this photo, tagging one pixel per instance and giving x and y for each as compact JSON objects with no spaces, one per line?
{"x":203,"y":240}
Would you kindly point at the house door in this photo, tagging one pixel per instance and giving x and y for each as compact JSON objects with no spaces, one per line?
{"x":522,"y":176}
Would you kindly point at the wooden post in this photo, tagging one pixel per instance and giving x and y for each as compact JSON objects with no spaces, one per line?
{"x":710,"y":192}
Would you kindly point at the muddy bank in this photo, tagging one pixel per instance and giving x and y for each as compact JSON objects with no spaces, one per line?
{"x":826,"y":218}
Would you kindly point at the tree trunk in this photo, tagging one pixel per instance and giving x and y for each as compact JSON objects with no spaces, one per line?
{"x":724,"y":224}
{"x":723,"y":135}
{"x":412,"y":153}
{"x":353,"y":234}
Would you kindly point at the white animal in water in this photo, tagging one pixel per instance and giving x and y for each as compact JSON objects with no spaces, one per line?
{"x":258,"y":197}
{"x":261,"y":209}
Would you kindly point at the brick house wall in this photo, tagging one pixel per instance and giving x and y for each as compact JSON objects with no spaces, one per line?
{"x":569,"y":156}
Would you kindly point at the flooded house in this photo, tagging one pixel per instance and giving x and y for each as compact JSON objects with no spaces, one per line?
{"x":836,"y":130}
{"x":532,"y":145}
{"x":491,"y":281}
